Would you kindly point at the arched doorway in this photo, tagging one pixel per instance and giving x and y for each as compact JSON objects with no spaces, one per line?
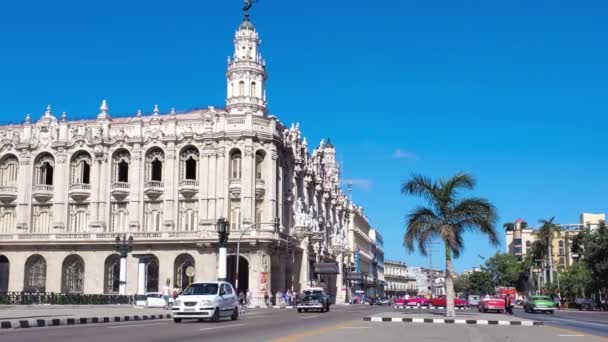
{"x":72,"y":274}
{"x":35,"y":274}
{"x":151,"y":273}
{"x":243,"y":273}
{"x":182,"y":262}
{"x":111,"y":277}
{"x":4,"y":272}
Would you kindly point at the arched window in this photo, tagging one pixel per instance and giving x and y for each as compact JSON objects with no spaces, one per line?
{"x":189,"y":160}
{"x":81,"y":168}
{"x":44,"y":170}
{"x":254,"y":90}
{"x":121,"y":161}
{"x":182,"y":262}
{"x":35,"y":274}
{"x":235,"y":165}
{"x":8,"y":171}
{"x":155,"y":160}
{"x":151,"y":274}
{"x":259,"y":164}
{"x":72,"y":274}
{"x":241,"y":88}
{"x":112,"y":274}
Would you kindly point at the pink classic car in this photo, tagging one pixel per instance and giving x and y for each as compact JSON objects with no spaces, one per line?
{"x":491,"y":304}
{"x":414,"y":301}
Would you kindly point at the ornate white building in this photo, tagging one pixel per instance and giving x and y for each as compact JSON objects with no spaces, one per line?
{"x":69,"y":188}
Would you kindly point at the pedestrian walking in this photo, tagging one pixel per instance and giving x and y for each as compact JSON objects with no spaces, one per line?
{"x":266,"y":297}
{"x":248,"y":299}
{"x":508,"y":305}
{"x":289,"y":297}
{"x":166,"y":292}
{"x":241,"y":298}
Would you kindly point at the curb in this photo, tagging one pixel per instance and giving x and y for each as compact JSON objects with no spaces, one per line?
{"x":426,"y":307}
{"x":450,"y":321}
{"x":272,"y":307}
{"x":55,"y":322}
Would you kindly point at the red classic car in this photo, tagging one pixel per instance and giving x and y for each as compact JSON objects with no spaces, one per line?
{"x":414,"y":301}
{"x":491,"y":304}
{"x":441,"y":301}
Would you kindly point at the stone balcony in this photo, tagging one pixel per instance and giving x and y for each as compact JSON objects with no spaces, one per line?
{"x":8,"y":194}
{"x":80,"y":191}
{"x":42,"y":192}
{"x":260,"y":188}
{"x":234,"y":187}
{"x":154,"y":189}
{"x":120,"y":190}
{"x":188,"y":187}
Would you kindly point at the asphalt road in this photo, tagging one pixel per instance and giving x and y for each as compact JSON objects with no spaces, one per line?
{"x":588,"y":322}
{"x":285,"y":325}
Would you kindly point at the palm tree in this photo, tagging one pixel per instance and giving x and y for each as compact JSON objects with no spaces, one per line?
{"x":509,"y":226}
{"x":447,"y":217}
{"x":545,"y":235}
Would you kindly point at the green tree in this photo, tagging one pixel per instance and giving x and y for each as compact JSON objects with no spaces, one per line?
{"x":545,"y":235}
{"x":575,"y":282}
{"x":505,"y":270}
{"x":592,"y":246}
{"x":447,"y":217}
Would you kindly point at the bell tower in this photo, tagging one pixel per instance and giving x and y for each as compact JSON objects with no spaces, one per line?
{"x":246,"y":75}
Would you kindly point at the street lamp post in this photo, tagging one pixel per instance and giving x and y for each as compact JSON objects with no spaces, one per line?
{"x":223,"y":230}
{"x":238,"y":249}
{"x":123,"y":246}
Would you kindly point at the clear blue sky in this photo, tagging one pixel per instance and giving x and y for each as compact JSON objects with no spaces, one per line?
{"x":513,"y":92}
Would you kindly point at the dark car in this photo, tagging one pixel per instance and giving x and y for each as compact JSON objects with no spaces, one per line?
{"x":313,"y":299}
{"x":372,"y":301}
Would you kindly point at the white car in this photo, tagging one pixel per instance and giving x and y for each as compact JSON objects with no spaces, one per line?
{"x":206,"y":300}
{"x":155,"y":300}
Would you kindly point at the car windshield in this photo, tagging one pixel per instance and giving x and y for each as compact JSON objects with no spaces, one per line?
{"x":541,"y":298}
{"x":201,"y":289}
{"x":313,"y":292}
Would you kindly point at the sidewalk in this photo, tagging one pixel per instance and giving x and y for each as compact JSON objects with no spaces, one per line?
{"x":27,"y":316}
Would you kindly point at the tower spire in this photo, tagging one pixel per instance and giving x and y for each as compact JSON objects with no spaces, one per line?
{"x":246,"y":76}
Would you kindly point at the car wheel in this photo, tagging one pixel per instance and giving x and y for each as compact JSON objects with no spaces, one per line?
{"x":485,"y":310}
{"x":177,"y":320}
{"x":300,"y":310}
{"x":216,"y":315}
{"x":235,"y":314}
{"x":327,"y":309}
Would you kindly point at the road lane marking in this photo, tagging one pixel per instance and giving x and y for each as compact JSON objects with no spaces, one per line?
{"x":297,"y":337}
{"x":356,"y":328}
{"x":553,"y":319}
{"x":223,"y":327}
{"x":307,"y":317}
{"x":134,"y":325}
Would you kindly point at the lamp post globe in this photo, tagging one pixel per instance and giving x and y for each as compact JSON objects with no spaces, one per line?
{"x":223,"y":230}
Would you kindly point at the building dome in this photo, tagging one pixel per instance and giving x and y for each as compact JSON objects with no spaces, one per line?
{"x":246,"y":25}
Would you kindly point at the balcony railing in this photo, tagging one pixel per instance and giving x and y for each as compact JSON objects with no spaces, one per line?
{"x":43,"y":188}
{"x":188,"y":183}
{"x":80,"y":187}
{"x":154,"y":184}
{"x":120,"y":185}
{"x":8,"y":189}
{"x":8,"y":193}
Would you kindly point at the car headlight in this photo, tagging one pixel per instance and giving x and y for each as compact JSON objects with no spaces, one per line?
{"x":206,"y":302}
{"x":177,"y":303}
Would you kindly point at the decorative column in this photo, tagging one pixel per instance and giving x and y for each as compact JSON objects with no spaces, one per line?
{"x":223,"y":230}
{"x":123,"y":247}
{"x":140,"y":299}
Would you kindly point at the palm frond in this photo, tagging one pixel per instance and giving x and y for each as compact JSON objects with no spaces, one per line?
{"x":421,"y":226}
{"x":459,"y":181}
{"x":421,"y":186}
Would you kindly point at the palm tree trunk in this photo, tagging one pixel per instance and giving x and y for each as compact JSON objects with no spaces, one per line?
{"x":550,"y":261}
{"x":449,"y":284}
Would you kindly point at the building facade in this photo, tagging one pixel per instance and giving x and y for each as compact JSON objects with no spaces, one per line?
{"x":378,"y":264}
{"x":398,"y":280}
{"x":520,"y":239}
{"x":69,"y":188}
{"x":361,"y":251}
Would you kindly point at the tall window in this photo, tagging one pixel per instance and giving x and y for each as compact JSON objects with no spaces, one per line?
{"x":155,"y":160}
{"x":44,"y":170}
{"x":121,"y":161}
{"x":254,"y":90}
{"x":241,"y":88}
{"x":8,"y":171}
{"x":81,"y":168}
{"x":235,"y":165}
{"x":189,"y":159}
{"x":259,"y":164}
{"x":235,"y":217}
